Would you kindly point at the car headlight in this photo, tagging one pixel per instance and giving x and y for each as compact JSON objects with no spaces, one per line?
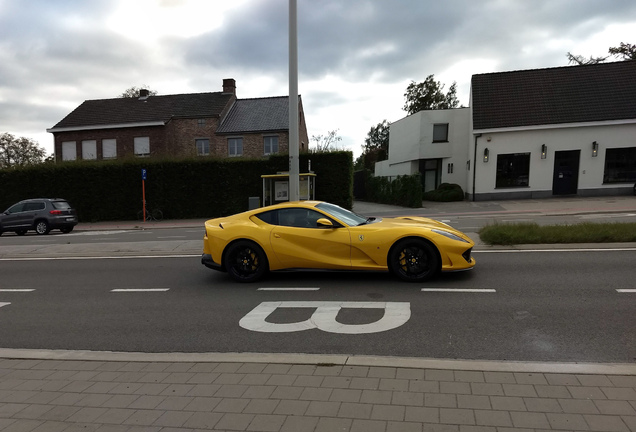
{"x":449,"y":235}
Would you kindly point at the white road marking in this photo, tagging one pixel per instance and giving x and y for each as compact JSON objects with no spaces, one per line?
{"x":463,"y":290}
{"x":288,"y":289}
{"x":628,"y":290}
{"x":557,"y":250}
{"x":94,"y":233}
{"x":99,"y":257}
{"x":16,"y":290}
{"x":4,"y":304}
{"x":168,"y":237}
{"x":140,"y":290}
{"x":324,"y":317}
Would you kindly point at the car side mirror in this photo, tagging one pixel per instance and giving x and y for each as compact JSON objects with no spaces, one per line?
{"x":324,"y":223}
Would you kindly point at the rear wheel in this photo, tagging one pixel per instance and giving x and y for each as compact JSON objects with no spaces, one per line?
{"x":245,"y":261}
{"x":414,"y":260}
{"x":42,"y":227}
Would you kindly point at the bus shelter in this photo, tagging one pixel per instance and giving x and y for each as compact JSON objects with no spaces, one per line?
{"x":276,"y":187}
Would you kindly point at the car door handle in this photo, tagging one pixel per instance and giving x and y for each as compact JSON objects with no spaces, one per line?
{"x":276,"y":235}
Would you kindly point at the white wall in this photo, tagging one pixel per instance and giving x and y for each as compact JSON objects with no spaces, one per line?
{"x":411,"y":139}
{"x":591,"y":169}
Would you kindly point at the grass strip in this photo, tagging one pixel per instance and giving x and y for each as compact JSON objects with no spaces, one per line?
{"x":533,"y":233}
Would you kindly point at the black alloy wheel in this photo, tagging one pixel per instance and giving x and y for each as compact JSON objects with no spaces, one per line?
{"x":42,"y":227}
{"x":245,"y":261}
{"x":414,"y":260}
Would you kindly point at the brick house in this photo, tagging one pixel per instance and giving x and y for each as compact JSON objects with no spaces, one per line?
{"x":213,"y":124}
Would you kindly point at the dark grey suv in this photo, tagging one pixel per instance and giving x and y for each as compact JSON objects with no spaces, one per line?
{"x":39,"y":214}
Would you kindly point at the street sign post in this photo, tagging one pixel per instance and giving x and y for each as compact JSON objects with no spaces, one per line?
{"x":143,"y":191}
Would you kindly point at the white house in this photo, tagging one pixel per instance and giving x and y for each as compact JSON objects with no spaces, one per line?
{"x":527,"y":134}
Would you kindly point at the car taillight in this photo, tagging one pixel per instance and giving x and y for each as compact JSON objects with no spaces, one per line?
{"x":55,"y":212}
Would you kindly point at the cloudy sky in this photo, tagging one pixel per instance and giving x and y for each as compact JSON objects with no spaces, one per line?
{"x":356,"y":57}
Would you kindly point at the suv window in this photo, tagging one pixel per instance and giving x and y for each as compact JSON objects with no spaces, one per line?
{"x":16,"y":208}
{"x":61,"y":205}
{"x":33,"y":206}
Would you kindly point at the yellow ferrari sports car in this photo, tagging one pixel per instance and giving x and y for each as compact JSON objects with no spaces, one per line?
{"x":320,"y":235}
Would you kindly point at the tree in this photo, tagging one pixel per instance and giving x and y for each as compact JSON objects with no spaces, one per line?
{"x":21,"y":151}
{"x":133,"y":92}
{"x":580,"y":60}
{"x":375,"y":147}
{"x":624,"y":51}
{"x":325,"y":143}
{"x":429,"y":95}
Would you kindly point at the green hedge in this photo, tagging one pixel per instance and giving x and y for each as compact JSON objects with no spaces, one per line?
{"x":403,"y":190}
{"x":445,"y":192}
{"x":185,"y":188}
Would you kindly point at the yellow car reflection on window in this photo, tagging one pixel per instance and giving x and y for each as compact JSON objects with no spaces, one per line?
{"x":320,"y":235}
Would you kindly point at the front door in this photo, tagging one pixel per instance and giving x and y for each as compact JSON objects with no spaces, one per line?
{"x":566,"y":172}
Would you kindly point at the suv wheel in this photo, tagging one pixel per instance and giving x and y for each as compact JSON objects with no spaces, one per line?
{"x":42,"y":227}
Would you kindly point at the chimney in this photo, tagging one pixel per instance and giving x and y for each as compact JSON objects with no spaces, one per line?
{"x":229,"y":86}
{"x":143,"y":94}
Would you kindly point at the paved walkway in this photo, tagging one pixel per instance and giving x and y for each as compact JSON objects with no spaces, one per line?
{"x":51,"y":391}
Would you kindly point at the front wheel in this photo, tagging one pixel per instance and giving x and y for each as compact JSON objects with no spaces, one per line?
{"x":157,"y":215}
{"x":42,"y":227}
{"x":414,"y":260}
{"x":245,"y":261}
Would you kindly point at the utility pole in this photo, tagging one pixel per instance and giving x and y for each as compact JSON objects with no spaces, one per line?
{"x":294,"y":170}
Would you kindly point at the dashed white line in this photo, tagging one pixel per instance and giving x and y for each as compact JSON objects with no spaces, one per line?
{"x":16,"y":290}
{"x":463,"y":290}
{"x":626,"y":290}
{"x":140,"y":290}
{"x":288,"y":289}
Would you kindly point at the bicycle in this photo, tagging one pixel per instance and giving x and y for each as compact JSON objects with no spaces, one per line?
{"x":151,"y":216}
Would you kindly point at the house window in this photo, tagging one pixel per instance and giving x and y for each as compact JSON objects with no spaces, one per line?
{"x":203,"y":146}
{"x":142,"y":146}
{"x":109,"y":149}
{"x":235,"y":146}
{"x":270,"y":145}
{"x":440,"y":132}
{"x":620,"y":165}
{"x":69,"y":150}
{"x":89,"y":149}
{"x":201,"y":122}
{"x":513,"y":170}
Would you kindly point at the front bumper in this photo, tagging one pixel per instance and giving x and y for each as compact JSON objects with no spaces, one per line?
{"x":206,"y":260}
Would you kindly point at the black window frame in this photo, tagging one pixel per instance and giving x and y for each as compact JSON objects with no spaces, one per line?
{"x":436,"y":126}
{"x":620,"y":165}
{"x":513,"y":170}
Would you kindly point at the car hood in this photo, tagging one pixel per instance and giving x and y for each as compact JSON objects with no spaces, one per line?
{"x":412,"y":221}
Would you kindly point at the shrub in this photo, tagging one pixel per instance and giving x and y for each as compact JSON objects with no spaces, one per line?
{"x":445,"y":192}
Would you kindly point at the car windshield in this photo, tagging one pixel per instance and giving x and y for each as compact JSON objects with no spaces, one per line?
{"x":341,"y":214}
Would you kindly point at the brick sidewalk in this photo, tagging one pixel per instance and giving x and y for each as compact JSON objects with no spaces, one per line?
{"x":137,"y":396}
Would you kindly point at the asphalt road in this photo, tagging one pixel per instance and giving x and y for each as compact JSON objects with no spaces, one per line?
{"x":529,"y":305}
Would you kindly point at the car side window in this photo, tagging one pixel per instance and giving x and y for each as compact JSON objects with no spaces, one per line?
{"x":299,"y":217}
{"x":34,"y":206}
{"x":269,"y":217}
{"x":16,"y":208}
